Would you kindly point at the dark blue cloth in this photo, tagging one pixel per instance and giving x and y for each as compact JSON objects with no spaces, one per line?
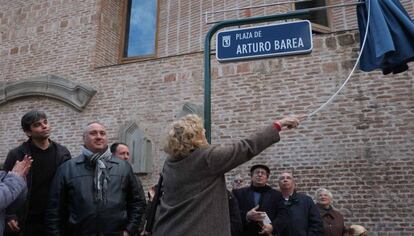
{"x":390,"y":39}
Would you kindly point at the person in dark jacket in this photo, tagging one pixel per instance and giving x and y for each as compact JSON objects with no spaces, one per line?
{"x":47,"y":155}
{"x":121,"y":150}
{"x":236,"y":223}
{"x":259,"y":204}
{"x":333,"y":221}
{"x":95,"y":193}
{"x":303,"y":215}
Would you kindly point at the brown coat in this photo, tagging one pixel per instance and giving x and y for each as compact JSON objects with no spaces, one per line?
{"x":333,"y":222}
{"x":195,"y":201}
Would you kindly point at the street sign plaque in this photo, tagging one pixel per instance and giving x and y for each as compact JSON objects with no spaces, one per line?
{"x":264,"y":41}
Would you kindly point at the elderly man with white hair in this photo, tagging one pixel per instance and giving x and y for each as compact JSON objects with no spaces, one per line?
{"x":304,"y":218}
{"x":333,"y":221}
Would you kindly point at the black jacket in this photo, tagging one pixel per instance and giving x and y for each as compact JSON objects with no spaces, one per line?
{"x":269,"y":203}
{"x":304,"y":218}
{"x":236,"y":223}
{"x":72,"y":209}
{"x":17,"y":154}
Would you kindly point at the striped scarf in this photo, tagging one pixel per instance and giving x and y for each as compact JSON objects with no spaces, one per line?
{"x":101,"y":177}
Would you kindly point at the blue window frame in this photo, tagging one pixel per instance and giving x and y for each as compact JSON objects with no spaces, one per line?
{"x":140,"y":28}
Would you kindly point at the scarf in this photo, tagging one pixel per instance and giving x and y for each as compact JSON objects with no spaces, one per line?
{"x":101,"y":176}
{"x":258,"y":193}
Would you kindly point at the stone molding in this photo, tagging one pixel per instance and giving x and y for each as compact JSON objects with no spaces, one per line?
{"x":74,"y":94}
{"x":140,"y":147}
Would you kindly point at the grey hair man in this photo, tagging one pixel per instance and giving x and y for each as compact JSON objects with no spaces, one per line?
{"x":95,"y":193}
{"x":304,"y":218}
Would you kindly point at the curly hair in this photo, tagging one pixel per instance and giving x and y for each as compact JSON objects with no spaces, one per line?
{"x":184,"y":136}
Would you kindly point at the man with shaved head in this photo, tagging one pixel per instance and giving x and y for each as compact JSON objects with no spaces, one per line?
{"x":95,"y":193}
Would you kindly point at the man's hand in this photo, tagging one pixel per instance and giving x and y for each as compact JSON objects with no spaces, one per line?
{"x":126,"y":233}
{"x":267,"y":229}
{"x":13,"y":225}
{"x":254,"y":215}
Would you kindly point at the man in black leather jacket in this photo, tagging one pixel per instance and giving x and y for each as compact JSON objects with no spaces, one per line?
{"x":95,"y":193}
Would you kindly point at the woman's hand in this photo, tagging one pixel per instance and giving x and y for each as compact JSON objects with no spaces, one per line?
{"x":21,"y":168}
{"x":290,"y":122}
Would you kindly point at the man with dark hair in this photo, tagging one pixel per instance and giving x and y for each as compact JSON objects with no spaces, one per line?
{"x":120,"y":150}
{"x":47,"y":155}
{"x":304,"y":218}
{"x":95,"y":193}
{"x":260,"y":210}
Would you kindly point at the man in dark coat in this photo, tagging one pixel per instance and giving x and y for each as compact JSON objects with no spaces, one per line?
{"x":47,"y":156}
{"x":304,"y":218}
{"x":259,"y":204}
{"x":95,"y":193}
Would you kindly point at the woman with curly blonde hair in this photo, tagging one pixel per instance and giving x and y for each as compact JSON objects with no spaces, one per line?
{"x":185,"y":136}
{"x":194,"y":200}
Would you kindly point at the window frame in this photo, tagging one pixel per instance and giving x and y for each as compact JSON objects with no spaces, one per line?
{"x":318,"y":28}
{"x":124,"y":17}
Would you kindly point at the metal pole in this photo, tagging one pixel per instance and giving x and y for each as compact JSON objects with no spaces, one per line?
{"x":312,"y":9}
{"x":252,"y":7}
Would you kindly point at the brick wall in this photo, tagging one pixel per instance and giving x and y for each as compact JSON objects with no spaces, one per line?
{"x":360,"y":146}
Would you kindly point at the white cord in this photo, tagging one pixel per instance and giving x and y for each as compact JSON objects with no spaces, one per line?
{"x":353,"y":69}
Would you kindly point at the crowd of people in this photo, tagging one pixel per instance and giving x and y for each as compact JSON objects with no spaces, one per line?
{"x":46,"y":191}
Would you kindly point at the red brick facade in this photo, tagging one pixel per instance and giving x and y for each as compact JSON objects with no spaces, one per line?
{"x":360,"y":147}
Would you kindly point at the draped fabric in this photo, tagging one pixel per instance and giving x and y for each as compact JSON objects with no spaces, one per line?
{"x":390,"y":39}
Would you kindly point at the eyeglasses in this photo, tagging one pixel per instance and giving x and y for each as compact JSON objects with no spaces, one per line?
{"x":257,"y":172}
{"x":285,"y":177}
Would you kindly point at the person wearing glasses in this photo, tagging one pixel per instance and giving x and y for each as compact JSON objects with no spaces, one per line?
{"x":259,"y":203}
{"x":304,"y":218}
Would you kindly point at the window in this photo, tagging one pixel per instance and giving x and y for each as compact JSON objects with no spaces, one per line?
{"x":319,"y":19}
{"x":140,"y":29}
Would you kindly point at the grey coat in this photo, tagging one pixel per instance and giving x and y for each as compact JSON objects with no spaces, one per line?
{"x":195,"y":201}
{"x":10,"y":188}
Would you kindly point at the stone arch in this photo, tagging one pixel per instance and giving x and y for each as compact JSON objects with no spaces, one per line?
{"x":140,"y":147}
{"x":74,"y":94}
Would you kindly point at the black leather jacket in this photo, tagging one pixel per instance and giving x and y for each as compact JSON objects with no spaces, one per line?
{"x":72,"y":209}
